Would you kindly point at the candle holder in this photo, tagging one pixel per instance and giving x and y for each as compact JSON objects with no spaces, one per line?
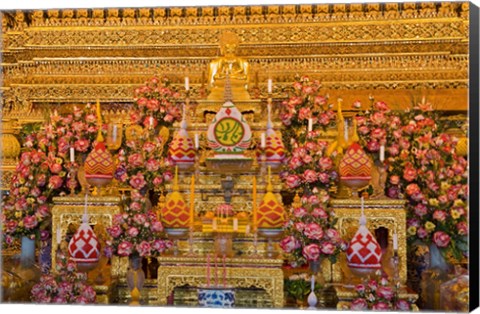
{"x":72,"y":181}
{"x":396,"y":263}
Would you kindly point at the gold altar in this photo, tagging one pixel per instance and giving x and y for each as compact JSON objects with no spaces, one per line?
{"x":56,"y":59}
{"x":241,"y":272}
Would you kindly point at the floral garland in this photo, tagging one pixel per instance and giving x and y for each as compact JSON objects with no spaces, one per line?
{"x":43,"y":171}
{"x":136,"y":231}
{"x":66,"y":286}
{"x":379,"y":296}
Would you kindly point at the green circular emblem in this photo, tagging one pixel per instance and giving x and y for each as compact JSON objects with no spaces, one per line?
{"x":229,"y":131}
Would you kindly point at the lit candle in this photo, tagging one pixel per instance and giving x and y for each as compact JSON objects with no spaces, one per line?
{"x":310,"y":125}
{"x":270,"y":86}
{"x":197,"y":141}
{"x":208,"y":270}
{"x":192,"y":201}
{"x":72,"y":154}
{"x":263,"y":141}
{"x":114,"y":133}
{"x":214,"y":224}
{"x":235,"y":224}
{"x":395,"y":241}
{"x":254,"y":203}
{"x":59,"y":236}
{"x":187,"y":85}
{"x":382,"y":152}
{"x":224,"y":271}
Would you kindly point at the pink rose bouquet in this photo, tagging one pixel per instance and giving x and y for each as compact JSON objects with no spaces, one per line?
{"x":379,"y":296}
{"x":137,"y":230}
{"x":43,"y":170}
{"x":64,"y":286}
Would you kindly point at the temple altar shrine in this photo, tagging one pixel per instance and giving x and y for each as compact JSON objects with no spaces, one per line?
{"x":238,"y":156}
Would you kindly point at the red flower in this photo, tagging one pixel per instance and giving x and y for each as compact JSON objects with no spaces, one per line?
{"x":125,"y":248}
{"x":385,"y":292}
{"x":311,"y":252}
{"x":327,"y":248}
{"x":30,"y":222}
{"x":138,"y":181}
{"x":289,"y":244}
{"x":313,"y":231}
{"x":441,"y":239}
{"x":359,"y":305}
{"x":412,"y":189}
{"x":55,"y":182}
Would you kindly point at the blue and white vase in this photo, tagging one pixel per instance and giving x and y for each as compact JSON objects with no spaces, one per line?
{"x":216,"y":297}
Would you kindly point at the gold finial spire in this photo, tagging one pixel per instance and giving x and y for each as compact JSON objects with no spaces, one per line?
{"x":175,"y":181}
{"x":269,"y":185}
{"x":296,"y":201}
{"x":99,"y":123}
{"x":227,"y":96}
{"x":354,"y":138}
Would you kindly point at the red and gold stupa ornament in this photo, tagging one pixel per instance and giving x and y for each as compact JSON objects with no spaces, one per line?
{"x":175,"y":213}
{"x":270,"y":213}
{"x":355,"y":167}
{"x":99,"y":164}
{"x":84,"y":247}
{"x":274,"y":148}
{"x":364,"y":254}
{"x":182,"y":150}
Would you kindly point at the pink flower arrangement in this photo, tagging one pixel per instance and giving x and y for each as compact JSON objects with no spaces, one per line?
{"x":64,"y":286}
{"x":142,"y":162}
{"x":310,"y":232}
{"x":305,"y":102}
{"x":379,"y":296}
{"x":136,"y":231}
{"x":155,"y":104}
{"x":43,"y":171}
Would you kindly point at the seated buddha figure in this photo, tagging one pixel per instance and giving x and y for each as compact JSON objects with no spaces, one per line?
{"x":228,"y":64}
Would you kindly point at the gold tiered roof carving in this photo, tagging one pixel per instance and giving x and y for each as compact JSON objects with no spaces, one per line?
{"x":395,"y":51}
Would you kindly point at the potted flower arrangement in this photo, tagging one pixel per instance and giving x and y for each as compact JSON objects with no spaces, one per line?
{"x":154,"y":104}
{"x":137,"y":231}
{"x":298,"y":286}
{"x":65,"y":286}
{"x":424,"y":167}
{"x":44,"y":171}
{"x":379,"y":295}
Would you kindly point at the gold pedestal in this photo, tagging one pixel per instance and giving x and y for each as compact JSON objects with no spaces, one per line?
{"x":69,"y":210}
{"x":240,"y":272}
{"x":387,"y":213}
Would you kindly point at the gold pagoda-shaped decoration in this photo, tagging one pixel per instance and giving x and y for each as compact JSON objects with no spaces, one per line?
{"x":175,"y":213}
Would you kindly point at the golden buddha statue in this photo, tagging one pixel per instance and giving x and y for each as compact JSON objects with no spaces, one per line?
{"x":228,"y":64}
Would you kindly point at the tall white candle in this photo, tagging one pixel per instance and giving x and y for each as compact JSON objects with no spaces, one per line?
{"x":310,"y":125}
{"x":270,"y":86}
{"x":151,"y":121}
{"x":72,"y":154}
{"x":59,"y":235}
{"x":395,"y":241}
{"x":312,"y":283}
{"x":197,"y":141}
{"x":114,"y":133}
{"x":382,"y":152}
{"x":187,"y":85}
{"x":345,"y":131}
{"x":263,"y":140}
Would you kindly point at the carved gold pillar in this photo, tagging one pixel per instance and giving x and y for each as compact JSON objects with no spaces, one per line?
{"x":10,"y":151}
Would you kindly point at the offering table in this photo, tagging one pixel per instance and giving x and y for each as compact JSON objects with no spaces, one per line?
{"x":240,"y":272}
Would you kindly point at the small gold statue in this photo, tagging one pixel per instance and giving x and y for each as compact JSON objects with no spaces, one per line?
{"x":228,"y":64}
